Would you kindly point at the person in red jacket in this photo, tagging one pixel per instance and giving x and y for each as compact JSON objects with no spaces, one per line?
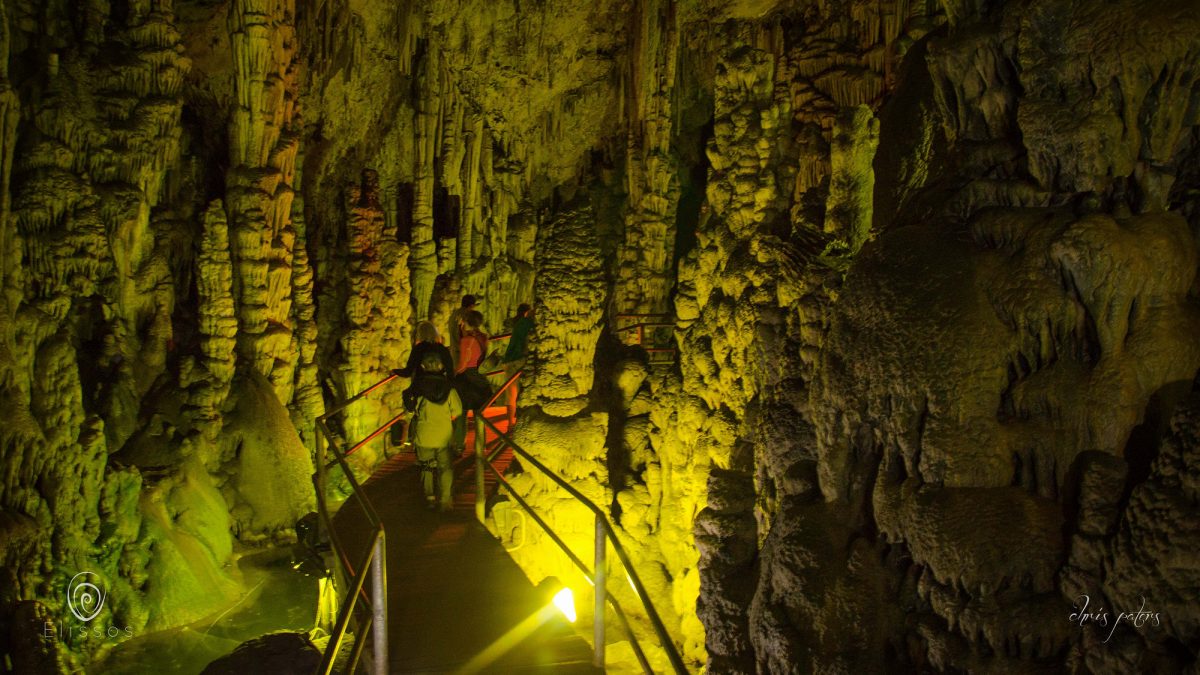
{"x":473,"y":342}
{"x":472,"y":386}
{"x":455,"y":331}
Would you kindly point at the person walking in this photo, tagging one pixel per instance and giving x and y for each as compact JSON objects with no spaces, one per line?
{"x":472,"y":341}
{"x":426,"y":340}
{"x":472,"y":386}
{"x":469,"y":302}
{"x":514,"y":355}
{"x":436,"y":411}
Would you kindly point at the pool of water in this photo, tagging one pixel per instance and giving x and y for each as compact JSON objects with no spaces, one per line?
{"x":278,"y":598}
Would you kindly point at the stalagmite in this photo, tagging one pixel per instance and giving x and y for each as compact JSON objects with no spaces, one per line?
{"x":570,"y":301}
{"x":218,"y":322}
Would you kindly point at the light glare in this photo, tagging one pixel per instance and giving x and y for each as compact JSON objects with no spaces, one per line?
{"x":564,"y":600}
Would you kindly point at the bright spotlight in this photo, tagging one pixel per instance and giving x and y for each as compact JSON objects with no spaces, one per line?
{"x":564,"y":600}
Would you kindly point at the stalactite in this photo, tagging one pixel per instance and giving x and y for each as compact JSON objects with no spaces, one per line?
{"x":469,"y":230}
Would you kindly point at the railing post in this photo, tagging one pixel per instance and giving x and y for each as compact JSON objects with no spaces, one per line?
{"x":480,"y":451}
{"x":379,"y":605}
{"x":513,"y":392}
{"x":600,"y":578}
{"x":321,"y":491}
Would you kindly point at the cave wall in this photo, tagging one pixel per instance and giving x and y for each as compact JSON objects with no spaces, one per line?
{"x":930,"y":265}
{"x":983,"y":381}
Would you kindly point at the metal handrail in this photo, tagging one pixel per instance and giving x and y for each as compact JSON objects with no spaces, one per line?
{"x":481,"y":441}
{"x":604,"y":532}
{"x":645,"y":324}
{"x":507,"y":383}
{"x":633,"y":641}
{"x":640,"y":328}
{"x":375,"y":555}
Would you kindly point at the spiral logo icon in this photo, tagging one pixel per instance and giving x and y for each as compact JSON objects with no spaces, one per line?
{"x":84,"y":598}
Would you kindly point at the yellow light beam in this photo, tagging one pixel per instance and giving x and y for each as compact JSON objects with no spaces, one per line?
{"x":506,"y":642}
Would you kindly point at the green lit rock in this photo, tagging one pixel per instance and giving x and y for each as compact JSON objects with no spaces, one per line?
{"x":270,"y":470}
{"x":186,"y":539}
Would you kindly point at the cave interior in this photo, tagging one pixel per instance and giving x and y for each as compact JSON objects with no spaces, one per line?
{"x":872,"y":325}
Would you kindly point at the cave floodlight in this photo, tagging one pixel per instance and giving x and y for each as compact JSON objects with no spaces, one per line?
{"x":559,"y":596}
{"x":564,"y":600}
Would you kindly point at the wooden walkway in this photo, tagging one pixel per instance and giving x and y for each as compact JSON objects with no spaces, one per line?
{"x":453,"y":592}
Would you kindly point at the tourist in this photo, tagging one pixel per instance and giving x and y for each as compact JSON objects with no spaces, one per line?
{"x":436,"y":415}
{"x":472,"y":386}
{"x":426,"y":340}
{"x":472,"y":341}
{"x":514,"y":356}
{"x":469,"y":302}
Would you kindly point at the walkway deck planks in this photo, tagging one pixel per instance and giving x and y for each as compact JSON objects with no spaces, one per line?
{"x":452,"y":589}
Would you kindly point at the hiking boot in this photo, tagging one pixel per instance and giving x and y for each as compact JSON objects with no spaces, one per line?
{"x":431,"y":502}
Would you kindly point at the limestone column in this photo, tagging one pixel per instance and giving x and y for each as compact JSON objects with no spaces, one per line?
{"x":423,"y":263}
{"x":263,"y":146}
{"x":647,"y":252}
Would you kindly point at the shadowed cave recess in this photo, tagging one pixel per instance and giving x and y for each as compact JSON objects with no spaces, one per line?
{"x":930,"y":268}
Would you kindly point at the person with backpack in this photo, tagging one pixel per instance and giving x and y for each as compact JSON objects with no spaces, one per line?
{"x":426,"y":340}
{"x":437,"y":412}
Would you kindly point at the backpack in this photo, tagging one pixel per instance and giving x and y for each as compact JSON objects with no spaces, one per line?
{"x":431,"y":363}
{"x":433,"y":422}
{"x":430,"y":382}
{"x":473,"y":388}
